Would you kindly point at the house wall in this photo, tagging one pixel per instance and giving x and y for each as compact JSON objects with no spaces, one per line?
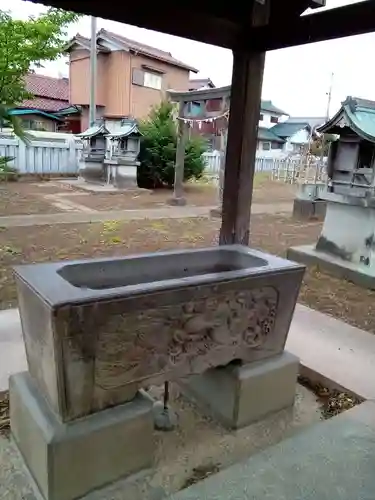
{"x":115,"y":90}
{"x":280,"y":150}
{"x":266,"y":122}
{"x":118,"y":84}
{"x":143,"y":98}
{"x":294,"y":143}
{"x":79,"y":78}
{"x":42,"y":123}
{"x":276,"y":151}
{"x":85,"y":116}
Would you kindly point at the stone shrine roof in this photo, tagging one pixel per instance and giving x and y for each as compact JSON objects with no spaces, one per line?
{"x":356,"y":114}
{"x":93,"y":131}
{"x":128,"y":127}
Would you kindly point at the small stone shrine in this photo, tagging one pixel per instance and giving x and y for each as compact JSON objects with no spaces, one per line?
{"x":346,"y":245}
{"x":122,"y":163}
{"x":91,"y":164}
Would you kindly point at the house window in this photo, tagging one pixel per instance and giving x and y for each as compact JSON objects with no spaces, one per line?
{"x":274,"y":119}
{"x":152,"y":80}
{"x":266,"y":146}
{"x":147,"y":79}
{"x":275,"y":145}
{"x":213,"y":105}
{"x":261,"y":117}
{"x":33,"y":125}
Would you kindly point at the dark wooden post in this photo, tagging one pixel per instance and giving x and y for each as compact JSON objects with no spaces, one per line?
{"x":178,"y":193}
{"x":246,"y":92}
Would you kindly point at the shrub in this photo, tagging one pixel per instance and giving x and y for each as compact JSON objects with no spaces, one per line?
{"x":7,"y":173}
{"x":158,"y":150}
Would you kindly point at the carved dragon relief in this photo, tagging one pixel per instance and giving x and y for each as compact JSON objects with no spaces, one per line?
{"x":134,"y":346}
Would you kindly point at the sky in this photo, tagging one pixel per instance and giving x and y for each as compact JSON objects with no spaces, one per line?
{"x":296,"y":79}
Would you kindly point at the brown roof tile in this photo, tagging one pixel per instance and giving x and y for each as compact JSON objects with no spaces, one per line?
{"x":147,"y":50}
{"x":47,"y":86}
{"x":51,"y":94}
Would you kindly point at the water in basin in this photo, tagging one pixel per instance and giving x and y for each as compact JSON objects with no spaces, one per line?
{"x":113,"y":273}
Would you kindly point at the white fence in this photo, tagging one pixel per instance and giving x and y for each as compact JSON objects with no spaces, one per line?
{"x":213,"y":161}
{"x":44,"y":153}
{"x":309,"y":170}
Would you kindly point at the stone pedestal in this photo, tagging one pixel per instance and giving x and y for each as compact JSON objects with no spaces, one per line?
{"x":346,"y":245}
{"x":69,"y":460}
{"x":308,"y":203}
{"x":91,"y":169}
{"x":309,"y":209}
{"x":123,"y":174}
{"x":216,"y":213}
{"x":238,"y":395}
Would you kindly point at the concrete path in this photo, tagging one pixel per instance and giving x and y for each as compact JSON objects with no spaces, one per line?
{"x":333,"y":460}
{"x":329,"y":347}
{"x":123,"y":215}
{"x":334,"y":349}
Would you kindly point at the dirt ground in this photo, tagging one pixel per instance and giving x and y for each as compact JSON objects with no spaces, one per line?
{"x":268,"y":191}
{"x":25,"y":197}
{"x":195,"y":194}
{"x":271,"y":233}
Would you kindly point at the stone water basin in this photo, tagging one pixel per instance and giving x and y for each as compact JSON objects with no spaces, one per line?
{"x":97,"y":330}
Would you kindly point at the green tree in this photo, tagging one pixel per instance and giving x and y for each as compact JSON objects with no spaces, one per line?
{"x":158,"y":150}
{"x":24,"y":45}
{"x":321,"y":144}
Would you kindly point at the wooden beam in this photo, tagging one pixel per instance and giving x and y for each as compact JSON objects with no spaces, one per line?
{"x":349,"y":20}
{"x":246,"y":91}
{"x":168,"y":17}
{"x":229,"y":27}
{"x":315,"y":4}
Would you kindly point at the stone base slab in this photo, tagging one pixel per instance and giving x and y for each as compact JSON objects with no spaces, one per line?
{"x":69,"y":460}
{"x":307,"y":254}
{"x":216,"y":213}
{"x":177,"y":202}
{"x":309,"y":209}
{"x":238,"y":395}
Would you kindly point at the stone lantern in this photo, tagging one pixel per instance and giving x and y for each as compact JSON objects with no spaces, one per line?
{"x":91,"y":165}
{"x":122,"y":162}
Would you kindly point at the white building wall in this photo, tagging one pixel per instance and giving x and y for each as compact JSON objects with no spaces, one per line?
{"x":266,"y":122}
{"x":298,"y":139}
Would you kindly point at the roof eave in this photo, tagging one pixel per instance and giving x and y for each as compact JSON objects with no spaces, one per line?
{"x":112,"y":38}
{"x":76,"y":41}
{"x":324,"y":129}
{"x":176,"y":64}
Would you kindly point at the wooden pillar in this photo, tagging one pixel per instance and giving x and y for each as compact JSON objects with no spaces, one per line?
{"x":247,"y":79}
{"x":182,"y":133}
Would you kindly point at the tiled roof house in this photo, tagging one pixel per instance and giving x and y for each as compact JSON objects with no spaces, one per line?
{"x":50,"y":97}
{"x":131,"y":76}
{"x":51,"y":94}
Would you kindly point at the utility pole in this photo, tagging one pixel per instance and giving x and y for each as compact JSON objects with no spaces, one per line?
{"x":93,"y":73}
{"x":329,"y":94}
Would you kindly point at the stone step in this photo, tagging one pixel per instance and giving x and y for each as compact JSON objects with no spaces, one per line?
{"x":333,"y":460}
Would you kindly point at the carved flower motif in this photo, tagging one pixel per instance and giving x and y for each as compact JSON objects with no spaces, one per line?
{"x":159,"y":339}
